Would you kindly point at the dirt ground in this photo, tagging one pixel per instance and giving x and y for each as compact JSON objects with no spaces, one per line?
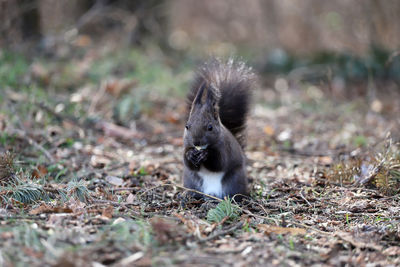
{"x":112,"y":195}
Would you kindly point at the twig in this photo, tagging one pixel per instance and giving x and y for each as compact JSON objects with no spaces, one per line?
{"x":301,"y":195}
{"x":52,"y":190}
{"x":114,"y":203}
{"x":123,"y":189}
{"x":180,"y":187}
{"x":219,"y":223}
{"x":220,"y":233}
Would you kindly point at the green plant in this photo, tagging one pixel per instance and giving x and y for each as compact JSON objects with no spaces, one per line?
{"x":347,"y":219}
{"x":78,"y":190}
{"x":291,"y":244}
{"x":225,"y":209}
{"x":24,"y":192}
{"x":360,"y":141}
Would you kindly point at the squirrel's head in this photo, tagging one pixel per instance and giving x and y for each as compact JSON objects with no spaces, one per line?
{"x":203,"y":128}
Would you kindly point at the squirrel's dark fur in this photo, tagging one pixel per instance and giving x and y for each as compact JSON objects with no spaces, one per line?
{"x":218,"y":104}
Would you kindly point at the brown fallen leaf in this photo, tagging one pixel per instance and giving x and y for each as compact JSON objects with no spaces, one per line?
{"x":114,"y":180}
{"x":114,"y":130}
{"x":173,"y":118}
{"x":117,"y":87}
{"x":39,"y":172}
{"x":325,"y":160}
{"x":269,"y":130}
{"x":44,"y":208}
{"x":99,"y":162}
{"x":281,"y":230}
{"x":108,"y":212}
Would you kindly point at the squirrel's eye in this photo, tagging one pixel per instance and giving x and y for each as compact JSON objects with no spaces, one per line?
{"x":187,"y":126}
{"x":209,"y":127}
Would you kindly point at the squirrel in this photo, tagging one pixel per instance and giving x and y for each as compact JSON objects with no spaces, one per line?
{"x":218,"y":104}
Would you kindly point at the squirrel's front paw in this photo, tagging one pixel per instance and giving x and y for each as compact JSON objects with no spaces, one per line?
{"x":202,"y":155}
{"x":195,"y":157}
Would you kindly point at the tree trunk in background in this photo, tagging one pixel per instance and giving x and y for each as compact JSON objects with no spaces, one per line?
{"x":57,"y":16}
{"x":10,"y":27}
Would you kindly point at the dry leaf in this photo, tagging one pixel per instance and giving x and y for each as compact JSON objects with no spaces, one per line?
{"x":114,"y":180}
{"x":114,"y":130}
{"x":325,"y":160}
{"x":49,"y":209}
{"x":269,"y":130}
{"x":108,"y":212}
{"x":117,"y":87}
{"x":99,"y":162}
{"x":39,"y":172}
{"x":173,"y":118}
{"x":130,"y":198}
{"x":281,"y":230}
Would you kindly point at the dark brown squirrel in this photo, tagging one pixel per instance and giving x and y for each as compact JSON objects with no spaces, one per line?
{"x":218,"y":104}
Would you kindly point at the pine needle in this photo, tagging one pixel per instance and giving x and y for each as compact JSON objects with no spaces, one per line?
{"x":223,"y":211}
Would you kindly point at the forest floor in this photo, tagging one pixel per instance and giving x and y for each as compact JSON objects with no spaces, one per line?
{"x":94,"y":173}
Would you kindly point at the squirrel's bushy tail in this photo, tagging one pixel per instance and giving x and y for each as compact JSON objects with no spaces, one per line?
{"x":234,"y":82}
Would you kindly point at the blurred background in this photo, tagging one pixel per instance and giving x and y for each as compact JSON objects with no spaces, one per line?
{"x":212,"y":26}
{"x":356,"y":39}
{"x":345,"y":49}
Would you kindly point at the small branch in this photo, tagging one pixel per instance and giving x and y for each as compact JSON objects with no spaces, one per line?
{"x":219,"y":223}
{"x":180,"y":187}
{"x":221,"y":233}
{"x":301,"y":195}
{"x":122,"y":189}
{"x":114,"y":203}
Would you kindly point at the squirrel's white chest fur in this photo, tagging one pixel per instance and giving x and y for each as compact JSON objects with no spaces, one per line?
{"x":212,"y":181}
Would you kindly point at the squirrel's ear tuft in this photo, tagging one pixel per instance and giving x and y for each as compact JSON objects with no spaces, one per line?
{"x":215,"y":110}
{"x":212,"y":101}
{"x":201,"y":94}
{"x":207,"y":95}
